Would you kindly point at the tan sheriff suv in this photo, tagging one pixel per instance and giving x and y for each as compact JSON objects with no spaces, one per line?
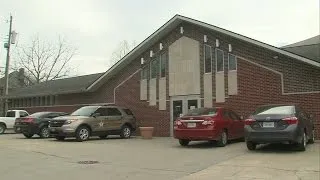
{"x":94,"y":121}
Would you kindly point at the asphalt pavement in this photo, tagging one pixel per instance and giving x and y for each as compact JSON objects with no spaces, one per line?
{"x":159,"y":158}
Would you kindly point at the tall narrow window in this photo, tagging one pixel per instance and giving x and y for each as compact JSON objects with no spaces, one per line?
{"x":207,"y":59}
{"x":219,"y":60}
{"x":232,"y":62}
{"x":144,"y":73}
{"x":154,"y":68}
{"x":163,"y":63}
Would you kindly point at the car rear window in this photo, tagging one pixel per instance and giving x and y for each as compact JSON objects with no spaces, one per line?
{"x":202,"y":112}
{"x":11,"y":114}
{"x":274,"y":110}
{"x":128,"y":111}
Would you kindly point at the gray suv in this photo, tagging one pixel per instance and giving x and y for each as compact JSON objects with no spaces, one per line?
{"x":94,"y":121}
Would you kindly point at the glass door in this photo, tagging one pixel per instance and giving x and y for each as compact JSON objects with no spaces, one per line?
{"x":177,"y":109}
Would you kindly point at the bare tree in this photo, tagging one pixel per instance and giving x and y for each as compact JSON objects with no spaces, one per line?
{"x":44,"y":61}
{"x":122,"y":49}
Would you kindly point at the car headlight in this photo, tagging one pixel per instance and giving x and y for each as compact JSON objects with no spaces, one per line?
{"x":70,"y":121}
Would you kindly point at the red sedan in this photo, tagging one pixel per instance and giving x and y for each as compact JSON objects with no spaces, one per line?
{"x":211,"y":124}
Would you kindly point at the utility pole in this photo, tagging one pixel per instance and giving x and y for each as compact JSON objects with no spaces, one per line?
{"x":6,"y":85}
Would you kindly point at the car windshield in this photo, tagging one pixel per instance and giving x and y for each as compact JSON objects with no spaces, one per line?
{"x":39,"y":114}
{"x":11,"y":114}
{"x":274,"y":110}
{"x":202,"y":112}
{"x":85,"y":111}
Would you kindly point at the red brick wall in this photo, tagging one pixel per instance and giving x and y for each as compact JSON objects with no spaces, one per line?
{"x":258,"y":86}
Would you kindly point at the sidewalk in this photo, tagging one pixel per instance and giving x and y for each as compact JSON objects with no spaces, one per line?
{"x":267,"y":163}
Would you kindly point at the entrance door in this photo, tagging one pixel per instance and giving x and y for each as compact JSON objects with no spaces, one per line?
{"x":181,"y":105}
{"x":177,"y":109}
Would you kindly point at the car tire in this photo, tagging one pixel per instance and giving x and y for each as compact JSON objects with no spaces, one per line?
{"x":223,"y":141}
{"x":2,"y":128}
{"x":312,"y":139}
{"x":125,"y":132}
{"x":251,"y":145}
{"x":184,"y":142}
{"x":103,"y":136}
{"x":82,"y":133}
{"x":17,"y":130}
{"x":302,"y":145}
{"x":60,"y":138}
{"x":44,"y":132}
{"x":28,"y":135}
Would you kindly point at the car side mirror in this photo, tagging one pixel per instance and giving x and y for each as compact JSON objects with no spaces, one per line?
{"x":95,"y":115}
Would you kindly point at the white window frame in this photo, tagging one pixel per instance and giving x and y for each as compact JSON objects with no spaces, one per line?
{"x":204,"y":58}
{"x":216,"y":59}
{"x":236,"y":61}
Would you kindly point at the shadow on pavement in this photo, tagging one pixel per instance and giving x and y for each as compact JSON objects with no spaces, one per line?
{"x":92,"y":139}
{"x":206,"y":144}
{"x":277,"y":148}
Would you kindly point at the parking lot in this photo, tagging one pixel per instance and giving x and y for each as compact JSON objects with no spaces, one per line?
{"x":159,"y":158}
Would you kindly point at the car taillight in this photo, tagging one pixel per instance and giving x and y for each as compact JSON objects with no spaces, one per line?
{"x":178,"y":123}
{"x":29,"y":120}
{"x":208,"y":122}
{"x":291,"y":120}
{"x":249,"y":121}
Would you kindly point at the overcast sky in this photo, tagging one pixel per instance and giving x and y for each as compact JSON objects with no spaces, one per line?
{"x":96,"y":27}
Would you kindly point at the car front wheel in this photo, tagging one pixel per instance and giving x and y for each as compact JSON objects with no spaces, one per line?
{"x":82,"y":133}
{"x":223,"y":139}
{"x":125,"y":132}
{"x":312,"y":139}
{"x":184,"y":142}
{"x":44,"y":132}
{"x":251,"y":146}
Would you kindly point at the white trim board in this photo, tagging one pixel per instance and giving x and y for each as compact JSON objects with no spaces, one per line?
{"x":281,"y":76}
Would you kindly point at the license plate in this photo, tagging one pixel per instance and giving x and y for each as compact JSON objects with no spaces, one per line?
{"x":191,"y":125}
{"x":268,"y":124}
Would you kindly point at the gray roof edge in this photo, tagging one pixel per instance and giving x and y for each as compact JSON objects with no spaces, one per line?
{"x":209,"y":26}
{"x":43,"y":94}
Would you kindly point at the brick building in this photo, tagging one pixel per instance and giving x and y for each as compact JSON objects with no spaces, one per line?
{"x":184,"y":64}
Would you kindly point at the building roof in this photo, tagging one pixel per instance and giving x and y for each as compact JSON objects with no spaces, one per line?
{"x":310,"y":41}
{"x":309,"y":48}
{"x":60,"y":86}
{"x":169,"y":26}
